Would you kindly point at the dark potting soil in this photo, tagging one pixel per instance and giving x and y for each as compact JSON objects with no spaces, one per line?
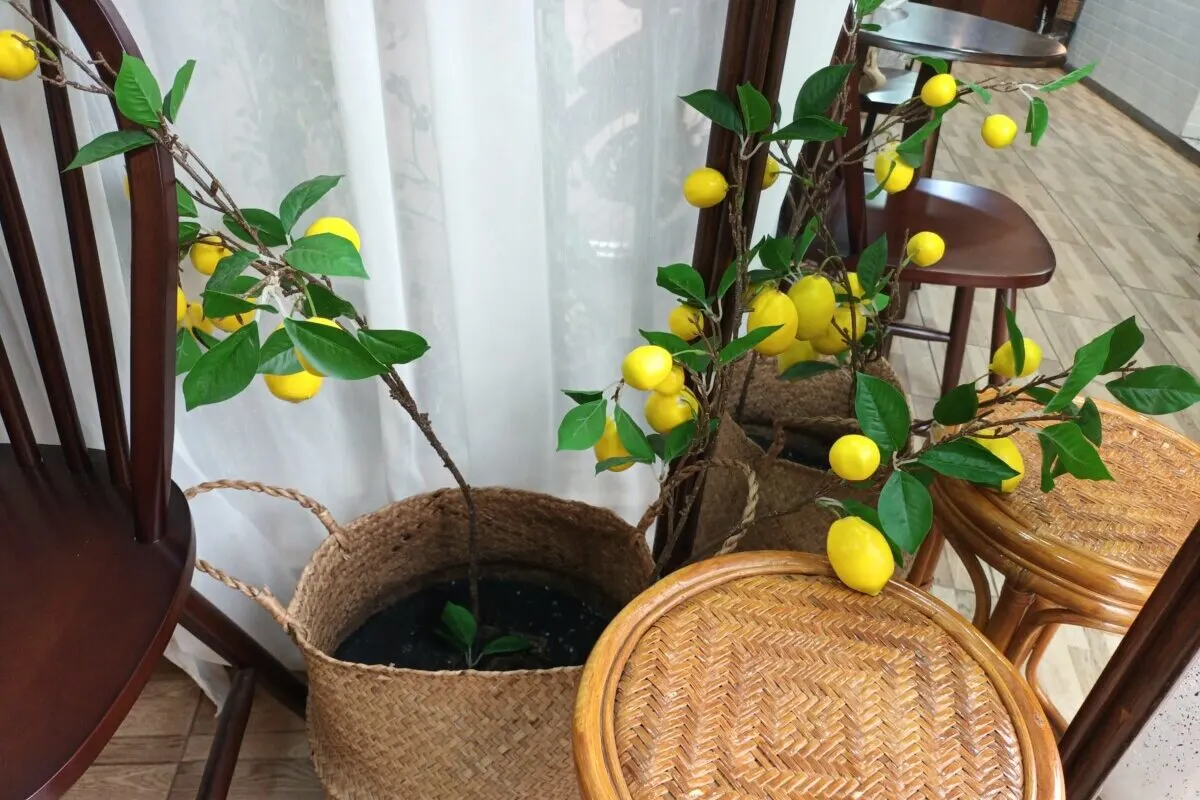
{"x":561,"y":627}
{"x":808,"y":451}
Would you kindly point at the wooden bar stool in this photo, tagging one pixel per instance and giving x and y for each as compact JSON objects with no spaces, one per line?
{"x":760,"y":675}
{"x":1089,"y":553}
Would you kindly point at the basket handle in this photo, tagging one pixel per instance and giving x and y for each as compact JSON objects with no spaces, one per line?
{"x":748,"y":512}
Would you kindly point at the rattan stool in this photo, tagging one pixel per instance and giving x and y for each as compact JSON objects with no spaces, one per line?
{"x":1089,"y":553}
{"x":760,"y":675}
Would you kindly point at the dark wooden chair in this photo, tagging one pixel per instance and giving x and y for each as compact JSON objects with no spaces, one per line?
{"x":96,"y":546}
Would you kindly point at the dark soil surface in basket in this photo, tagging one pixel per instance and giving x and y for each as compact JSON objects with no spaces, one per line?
{"x":799,"y":450}
{"x":560,"y":627}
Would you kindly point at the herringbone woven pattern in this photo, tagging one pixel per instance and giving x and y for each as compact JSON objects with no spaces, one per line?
{"x":792,"y":686}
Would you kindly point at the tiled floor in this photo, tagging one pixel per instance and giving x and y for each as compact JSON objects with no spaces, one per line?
{"x":1123,"y":211}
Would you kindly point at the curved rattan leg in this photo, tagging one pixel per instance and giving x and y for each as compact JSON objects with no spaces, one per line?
{"x":921,"y":573}
{"x":1058,"y":722}
{"x":1010,"y":611}
{"x":979,"y":583}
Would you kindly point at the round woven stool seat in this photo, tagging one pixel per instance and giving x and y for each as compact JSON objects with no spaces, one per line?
{"x":760,"y":675}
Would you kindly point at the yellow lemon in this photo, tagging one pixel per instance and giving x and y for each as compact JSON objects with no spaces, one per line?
{"x":673,"y":383}
{"x":856,"y":288}
{"x":667,"y":412}
{"x":926,"y":248}
{"x":799,"y":350}
{"x":859,"y":555}
{"x":646,"y":367}
{"x":18,"y":59}
{"x":815,"y":302}
{"x":998,"y":131}
{"x":891,"y":172}
{"x":1005,"y":450}
{"x":181,"y":305}
{"x":772,"y":307}
{"x":295,"y":388}
{"x":771,"y":173}
{"x":938,"y":91}
{"x":207,"y":252}
{"x":705,"y":187}
{"x":194,"y":318}
{"x":854,"y":457}
{"x":235,"y":321}
{"x":338,"y":227}
{"x":1004,"y":363}
{"x":309,"y":368}
{"x":610,"y":446}
{"x":686,"y":322}
{"x":833,"y":341}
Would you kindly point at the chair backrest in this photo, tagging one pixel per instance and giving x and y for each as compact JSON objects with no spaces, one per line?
{"x":138,"y":460}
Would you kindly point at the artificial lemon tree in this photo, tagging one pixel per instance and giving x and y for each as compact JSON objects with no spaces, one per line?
{"x":796,"y":299}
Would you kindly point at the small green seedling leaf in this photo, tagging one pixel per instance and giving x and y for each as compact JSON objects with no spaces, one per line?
{"x":505,"y":644}
{"x":460,"y":624}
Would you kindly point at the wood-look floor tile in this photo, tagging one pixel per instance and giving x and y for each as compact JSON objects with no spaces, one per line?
{"x":142,"y":750}
{"x":125,"y":782}
{"x":936,"y":304}
{"x":165,"y":708}
{"x":256,"y":746}
{"x":267,"y":715}
{"x":1082,"y":286}
{"x":1142,"y":258}
{"x":255,"y":780}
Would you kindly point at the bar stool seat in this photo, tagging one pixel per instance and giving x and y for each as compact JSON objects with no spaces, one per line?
{"x":760,"y":675}
{"x":1090,"y":552}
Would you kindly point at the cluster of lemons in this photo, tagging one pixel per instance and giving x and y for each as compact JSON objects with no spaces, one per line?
{"x":205,"y":254}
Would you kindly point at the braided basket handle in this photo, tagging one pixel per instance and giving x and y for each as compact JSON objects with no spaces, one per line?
{"x":748,"y":513}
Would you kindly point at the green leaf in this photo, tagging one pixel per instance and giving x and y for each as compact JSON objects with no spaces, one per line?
{"x":756,"y":109}
{"x":983,"y":93}
{"x":728,"y":279}
{"x":1092,"y":359}
{"x":277,"y":356}
{"x":303,"y":197}
{"x":270,"y":229}
{"x":882,"y":412}
{"x":683,"y":281}
{"x":620,"y":461}
{"x":864,"y":8}
{"x":658,"y":443}
{"x":678,"y":440}
{"x":229,"y":268}
{"x":1156,"y":390}
{"x":206,"y":339}
{"x":109,"y":144}
{"x":221,"y":304}
{"x":906,"y":511}
{"x":1075,"y":452}
{"x":810,"y":129}
{"x":807,"y":369}
{"x":187,"y":352}
{"x":1090,"y":423}
{"x":581,"y":396}
{"x":188,"y":233}
{"x":327,"y":304}
{"x":326,"y":254}
{"x":966,"y":460}
{"x":716,"y":107}
{"x":185,"y":205}
{"x":138,"y":97}
{"x":583,"y":425}
{"x":940,"y":66}
{"x":821,"y":90}
{"x":740,"y":346}
{"x":872,"y":265}
{"x":1038,"y":120}
{"x":957,"y":406}
{"x":632,"y":436}
{"x":1049,"y":454}
{"x":223,"y":371}
{"x":333,"y":351}
{"x":912,"y":149}
{"x":880,"y":301}
{"x":393,"y":346}
{"x":1125,"y":342}
{"x":776,"y":254}
{"x":1017,"y":338}
{"x":505,"y":644}
{"x":460,"y":624}
{"x":179,"y":87}
{"x":685,"y":353}
{"x":1070,"y":78}
{"x":863,"y":512}
{"x":1041,"y":394}
{"x":873,"y":27}
{"x":807,"y":236}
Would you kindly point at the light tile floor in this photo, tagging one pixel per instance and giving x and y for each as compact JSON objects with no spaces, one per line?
{"x":1123,"y":211}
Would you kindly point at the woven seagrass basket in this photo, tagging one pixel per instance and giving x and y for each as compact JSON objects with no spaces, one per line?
{"x":386,"y":732}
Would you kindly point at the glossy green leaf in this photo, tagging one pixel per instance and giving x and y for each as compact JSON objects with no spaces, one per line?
{"x":728,"y":279}
{"x":1090,"y":423}
{"x":940,"y":65}
{"x":393,"y":346}
{"x":109,"y":144}
{"x":966,"y":460}
{"x":742,"y":345}
{"x":1038,"y":120}
{"x":776,"y":254}
{"x":690,"y":355}
{"x":333,"y":351}
{"x":882,"y":412}
{"x":906,"y":511}
{"x":228,"y":269}
{"x":863,"y":512}
{"x":820,"y":91}
{"x":1075,"y":76}
{"x":206,"y":340}
{"x":137,"y":94}
{"x":1049,"y":454}
{"x":880,"y":301}
{"x":1040,"y":394}
{"x":608,"y":463}
{"x":678,"y":440}
{"x":326,"y":254}
{"x":1164,"y":389}
{"x":1092,"y":359}
{"x":807,"y":237}
{"x":277,"y":356}
{"x":303,"y":197}
{"x":581,"y":396}
{"x":267,"y":225}
{"x":983,"y":93}
{"x":864,"y":8}
{"x":505,"y":644}
{"x":872,"y":266}
{"x":716,"y":107}
{"x":1075,"y":452}
{"x":185,"y":204}
{"x":460,"y":624}
{"x":632,"y":436}
{"x":583,"y":425}
{"x":1016,"y":338}
{"x":756,"y":109}
{"x":807,"y":369}
{"x":809,"y":129}
{"x":223,"y":371}
{"x":174,"y":99}
{"x":187,"y":352}
{"x":222,"y":304}
{"x":188,"y":233}
{"x":957,"y":406}
{"x":1125,"y":340}
{"x":658,"y":443}
{"x":327,"y":304}
{"x":682,"y":280}
{"x":912,"y":149}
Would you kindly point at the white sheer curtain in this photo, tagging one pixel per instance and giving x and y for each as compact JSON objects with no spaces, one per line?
{"x":513,"y":167}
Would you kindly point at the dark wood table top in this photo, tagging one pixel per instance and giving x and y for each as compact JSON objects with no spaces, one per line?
{"x":955,"y":36}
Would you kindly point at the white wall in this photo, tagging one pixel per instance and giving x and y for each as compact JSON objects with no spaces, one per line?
{"x":1148,"y":53}
{"x":1191,"y":128}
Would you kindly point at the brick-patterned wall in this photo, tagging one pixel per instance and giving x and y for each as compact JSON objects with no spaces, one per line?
{"x":1148,"y":53}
